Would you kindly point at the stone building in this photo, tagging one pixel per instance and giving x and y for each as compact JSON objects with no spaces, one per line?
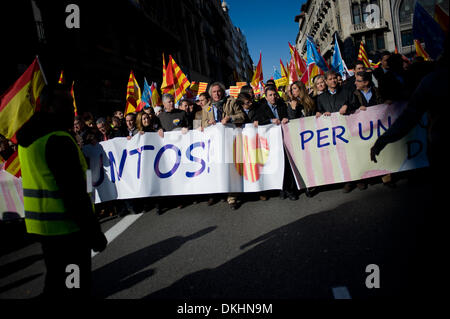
{"x":353,"y":22}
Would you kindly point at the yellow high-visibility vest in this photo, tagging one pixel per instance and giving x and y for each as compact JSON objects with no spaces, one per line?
{"x":45,"y":213}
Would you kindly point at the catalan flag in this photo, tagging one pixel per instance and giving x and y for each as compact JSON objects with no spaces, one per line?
{"x":234,"y":91}
{"x":420,"y":51}
{"x":12,"y":165}
{"x":181,"y":82}
{"x":21,"y":100}
{"x":362,"y":55}
{"x":258,"y":75}
{"x":133,"y":95}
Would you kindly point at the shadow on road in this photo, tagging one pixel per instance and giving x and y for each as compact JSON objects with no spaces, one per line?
{"x":129,"y":270}
{"x":307,"y":258}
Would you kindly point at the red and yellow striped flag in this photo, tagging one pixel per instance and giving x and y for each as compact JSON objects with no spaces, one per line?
{"x":133,"y":94}
{"x":202,"y":86}
{"x":12,"y":165}
{"x":362,"y":55}
{"x":21,"y":100}
{"x":420,"y":51}
{"x":234,"y":91}
{"x":181,"y":82}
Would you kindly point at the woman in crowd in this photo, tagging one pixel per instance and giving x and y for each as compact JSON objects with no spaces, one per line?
{"x":300,"y":104}
{"x":319,"y":86}
{"x":147,"y":121}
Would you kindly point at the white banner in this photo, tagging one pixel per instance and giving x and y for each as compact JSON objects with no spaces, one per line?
{"x":221,"y":159}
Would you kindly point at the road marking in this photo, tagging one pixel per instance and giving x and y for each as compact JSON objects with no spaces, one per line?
{"x":119,"y":228}
{"x":341,"y":293}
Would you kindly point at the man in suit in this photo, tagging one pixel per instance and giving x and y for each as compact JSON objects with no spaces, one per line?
{"x":222,"y":109}
{"x":335,"y":98}
{"x":365,"y":94}
{"x":273,"y":110}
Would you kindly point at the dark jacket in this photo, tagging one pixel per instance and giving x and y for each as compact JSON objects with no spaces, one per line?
{"x":264,"y":114}
{"x":63,"y":161}
{"x":327,"y":102}
{"x":392,"y":88}
{"x":360,"y":100}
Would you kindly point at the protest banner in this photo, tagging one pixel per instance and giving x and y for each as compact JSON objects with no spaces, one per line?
{"x":221,"y":159}
{"x":11,"y":194}
{"x":336,"y":148}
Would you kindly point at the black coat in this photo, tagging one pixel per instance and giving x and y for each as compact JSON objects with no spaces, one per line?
{"x":264,"y":115}
{"x":327,"y":102}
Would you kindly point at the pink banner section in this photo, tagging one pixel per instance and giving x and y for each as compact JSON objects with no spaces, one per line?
{"x":11,"y":194}
{"x":335,"y":149}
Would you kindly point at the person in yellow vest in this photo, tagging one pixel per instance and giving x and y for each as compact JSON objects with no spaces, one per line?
{"x":58,"y":209}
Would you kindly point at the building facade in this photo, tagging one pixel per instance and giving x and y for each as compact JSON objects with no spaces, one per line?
{"x":380,"y":24}
{"x":115,"y":37}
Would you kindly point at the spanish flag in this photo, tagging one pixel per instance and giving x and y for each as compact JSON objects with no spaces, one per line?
{"x":21,"y":100}
{"x":284,"y":73}
{"x":156,"y":99}
{"x":133,"y":94}
{"x":362,"y":55}
{"x":258,"y":75}
{"x":420,"y":51}
{"x":12,"y":165}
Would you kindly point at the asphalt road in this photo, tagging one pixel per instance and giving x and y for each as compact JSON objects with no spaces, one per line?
{"x":276,"y":249}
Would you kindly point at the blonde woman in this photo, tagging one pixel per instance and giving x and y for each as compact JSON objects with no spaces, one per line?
{"x":319,"y":85}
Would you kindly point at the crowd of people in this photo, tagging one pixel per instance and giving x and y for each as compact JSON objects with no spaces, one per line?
{"x":394,"y":80}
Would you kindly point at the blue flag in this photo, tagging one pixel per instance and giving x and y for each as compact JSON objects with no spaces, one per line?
{"x":313,"y":56}
{"x":337,"y":64}
{"x":147,"y":94}
{"x":426,"y":28}
{"x":276,"y":74}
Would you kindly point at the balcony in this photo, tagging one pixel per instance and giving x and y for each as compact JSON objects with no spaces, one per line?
{"x":364,"y":26}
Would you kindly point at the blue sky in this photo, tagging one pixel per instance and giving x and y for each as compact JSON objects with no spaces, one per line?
{"x":268,"y":27}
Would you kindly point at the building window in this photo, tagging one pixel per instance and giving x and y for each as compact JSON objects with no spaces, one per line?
{"x":407,"y":38}
{"x":380,"y":41}
{"x":365,"y":14}
{"x":356,"y":14}
{"x":369,"y":44}
{"x":406,"y":11}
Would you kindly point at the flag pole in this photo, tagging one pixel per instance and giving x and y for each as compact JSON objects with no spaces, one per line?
{"x":42,"y":70}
